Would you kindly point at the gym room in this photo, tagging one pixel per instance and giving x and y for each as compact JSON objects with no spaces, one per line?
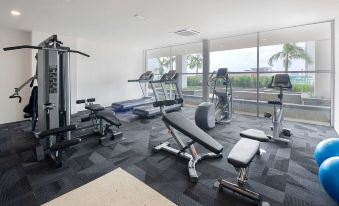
{"x":128,"y":103}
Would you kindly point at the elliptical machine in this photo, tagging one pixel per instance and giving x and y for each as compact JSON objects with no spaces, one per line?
{"x":281,"y":82}
{"x":220,"y":111}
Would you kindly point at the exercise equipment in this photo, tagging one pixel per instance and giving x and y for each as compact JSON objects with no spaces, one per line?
{"x":52,"y":102}
{"x":145,"y":100}
{"x":326,"y":149}
{"x":170,"y":78}
{"x":328,"y":175}
{"x":176,"y":121}
{"x":281,"y":82}
{"x":240,"y":158}
{"x":220,"y":111}
{"x":101,"y":121}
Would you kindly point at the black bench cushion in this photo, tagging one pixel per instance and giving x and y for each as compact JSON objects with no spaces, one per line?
{"x":254,"y":134}
{"x":188,"y":128}
{"x":94,"y":107}
{"x":243,"y":152}
{"x":109,"y":117}
{"x":275,"y":102}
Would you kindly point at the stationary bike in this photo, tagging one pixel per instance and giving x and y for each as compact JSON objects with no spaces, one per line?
{"x":221,"y":109}
{"x":281,"y":82}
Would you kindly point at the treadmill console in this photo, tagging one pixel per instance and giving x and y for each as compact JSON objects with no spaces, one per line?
{"x":171,"y":75}
{"x":146,"y":76}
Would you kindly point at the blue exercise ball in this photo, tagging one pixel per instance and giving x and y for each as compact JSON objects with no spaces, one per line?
{"x":326,"y":149}
{"x":329,"y":178}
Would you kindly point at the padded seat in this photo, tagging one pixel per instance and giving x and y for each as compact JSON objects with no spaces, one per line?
{"x":254,"y":134}
{"x":243,"y":152}
{"x":94,"y":107}
{"x":275,"y":102}
{"x":188,"y":128}
{"x":109,"y":117}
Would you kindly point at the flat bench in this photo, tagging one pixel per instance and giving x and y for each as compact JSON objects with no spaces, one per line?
{"x":241,"y":157}
{"x":243,"y":153}
{"x":109,"y":117}
{"x":94,"y":107}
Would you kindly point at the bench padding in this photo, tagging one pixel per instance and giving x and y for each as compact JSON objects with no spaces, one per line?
{"x":109,"y":117}
{"x":94,"y":107}
{"x":188,"y":128}
{"x":254,"y":134}
{"x":243,"y":152}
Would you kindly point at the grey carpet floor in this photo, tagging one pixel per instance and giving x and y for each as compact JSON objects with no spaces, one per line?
{"x":285,"y":174}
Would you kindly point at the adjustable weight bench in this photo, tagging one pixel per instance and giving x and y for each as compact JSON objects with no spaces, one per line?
{"x":187,"y":127}
{"x":102,"y":121}
{"x":241,"y":157}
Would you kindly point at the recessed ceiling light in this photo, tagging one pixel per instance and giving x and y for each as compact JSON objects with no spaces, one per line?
{"x":140,"y":17}
{"x":186,"y":32}
{"x":15,"y":13}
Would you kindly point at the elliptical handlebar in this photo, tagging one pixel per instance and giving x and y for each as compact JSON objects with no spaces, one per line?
{"x":209,"y":80}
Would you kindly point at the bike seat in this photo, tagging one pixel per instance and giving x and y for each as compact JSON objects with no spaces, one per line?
{"x":275,"y":102}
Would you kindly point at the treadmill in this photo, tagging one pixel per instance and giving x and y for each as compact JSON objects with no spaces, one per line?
{"x":148,"y":111}
{"x":145,"y":100}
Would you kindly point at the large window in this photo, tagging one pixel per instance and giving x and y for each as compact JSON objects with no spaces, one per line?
{"x":304,"y":52}
{"x":187,"y":60}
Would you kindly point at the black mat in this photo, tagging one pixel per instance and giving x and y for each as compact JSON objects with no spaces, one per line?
{"x":285,"y":175}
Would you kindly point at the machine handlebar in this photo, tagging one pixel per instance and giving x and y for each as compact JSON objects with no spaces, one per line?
{"x":39,"y":47}
{"x":15,"y":96}
{"x":21,"y":47}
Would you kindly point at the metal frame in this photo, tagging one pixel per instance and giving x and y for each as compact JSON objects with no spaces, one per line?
{"x":240,"y":186}
{"x":193,"y":157}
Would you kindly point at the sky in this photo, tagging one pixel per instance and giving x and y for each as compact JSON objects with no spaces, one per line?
{"x":239,"y":60}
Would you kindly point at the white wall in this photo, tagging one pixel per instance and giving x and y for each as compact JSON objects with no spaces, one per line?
{"x":15,"y":69}
{"x":38,"y":37}
{"x":104,"y":75}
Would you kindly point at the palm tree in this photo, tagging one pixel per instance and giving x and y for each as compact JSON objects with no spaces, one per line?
{"x":289,"y":53}
{"x":195,"y":61}
{"x":164,"y":62}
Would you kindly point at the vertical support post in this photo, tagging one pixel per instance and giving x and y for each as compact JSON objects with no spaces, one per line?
{"x":205,"y":69}
{"x":258,"y":65}
{"x":67,"y":90}
{"x":333,"y":72}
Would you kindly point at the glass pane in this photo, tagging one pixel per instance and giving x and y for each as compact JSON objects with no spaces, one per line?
{"x":238,"y":54}
{"x":191,"y":85}
{"x":188,"y":58}
{"x":159,"y":61}
{"x":303,"y":48}
{"x":244,"y":93}
{"x":189,"y":65}
{"x":308,"y":101}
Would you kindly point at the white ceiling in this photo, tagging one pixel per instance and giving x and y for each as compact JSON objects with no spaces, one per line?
{"x":114,"y":20}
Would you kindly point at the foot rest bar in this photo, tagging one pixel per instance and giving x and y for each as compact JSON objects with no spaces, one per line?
{"x":240,"y":190}
{"x":55,"y":131}
{"x":65,"y":144}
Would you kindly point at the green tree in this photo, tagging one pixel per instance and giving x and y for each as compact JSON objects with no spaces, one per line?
{"x":164,"y":62}
{"x":290,"y":52}
{"x":195,"y":61}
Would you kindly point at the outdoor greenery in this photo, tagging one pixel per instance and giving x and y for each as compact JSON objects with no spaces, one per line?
{"x":289,"y":53}
{"x":194,"y":61}
{"x":248,"y":82}
{"x":164,"y":63}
